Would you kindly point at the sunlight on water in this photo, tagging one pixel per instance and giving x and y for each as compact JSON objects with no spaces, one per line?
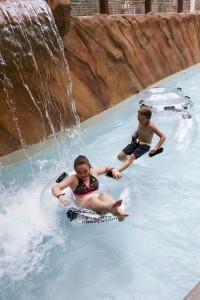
{"x":154,"y":254}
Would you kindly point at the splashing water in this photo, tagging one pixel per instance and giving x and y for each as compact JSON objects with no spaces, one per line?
{"x":33,"y":50}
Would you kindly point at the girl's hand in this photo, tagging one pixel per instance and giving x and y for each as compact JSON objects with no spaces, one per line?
{"x":116,"y":174}
{"x":62,"y":199}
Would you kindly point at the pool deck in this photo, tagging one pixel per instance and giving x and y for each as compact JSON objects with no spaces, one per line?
{"x":194,"y":294}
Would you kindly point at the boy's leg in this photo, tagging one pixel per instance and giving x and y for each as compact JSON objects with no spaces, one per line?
{"x":128,"y":150}
{"x":121,"y":156}
{"x":127,"y":163}
{"x":139,"y":151}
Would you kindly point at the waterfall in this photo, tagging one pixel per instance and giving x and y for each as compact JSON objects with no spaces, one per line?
{"x":35,"y":84}
{"x":37,"y":113}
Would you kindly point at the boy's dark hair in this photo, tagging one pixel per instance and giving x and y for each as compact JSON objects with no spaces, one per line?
{"x":145,"y":111}
{"x":80,"y":160}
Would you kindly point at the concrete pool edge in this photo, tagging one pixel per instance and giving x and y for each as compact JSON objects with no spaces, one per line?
{"x":23,"y":154}
{"x":194,"y":294}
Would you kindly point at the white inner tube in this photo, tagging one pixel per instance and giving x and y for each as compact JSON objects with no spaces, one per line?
{"x":164,"y":98}
{"x":122,"y":189}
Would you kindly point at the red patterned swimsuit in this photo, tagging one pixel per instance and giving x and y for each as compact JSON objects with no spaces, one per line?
{"x":82,"y":188}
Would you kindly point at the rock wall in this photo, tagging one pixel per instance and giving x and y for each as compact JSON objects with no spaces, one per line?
{"x":112,"y":57}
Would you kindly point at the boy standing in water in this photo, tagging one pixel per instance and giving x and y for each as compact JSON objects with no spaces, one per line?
{"x":141,"y":139}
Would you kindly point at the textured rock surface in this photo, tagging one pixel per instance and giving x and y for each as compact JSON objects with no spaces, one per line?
{"x":62,"y":14}
{"x":111,"y":57}
{"x":33,"y":80}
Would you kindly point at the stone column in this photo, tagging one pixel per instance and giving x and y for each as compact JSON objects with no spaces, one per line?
{"x":147,"y":6}
{"x":104,"y":7}
{"x":180,"y":6}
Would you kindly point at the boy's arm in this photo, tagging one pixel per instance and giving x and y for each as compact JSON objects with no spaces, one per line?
{"x":135,"y":135}
{"x":161,"y":136}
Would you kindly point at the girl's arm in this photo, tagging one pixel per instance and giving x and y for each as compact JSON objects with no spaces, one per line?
{"x":57,"y":190}
{"x":116,"y":174}
{"x":161,"y":136}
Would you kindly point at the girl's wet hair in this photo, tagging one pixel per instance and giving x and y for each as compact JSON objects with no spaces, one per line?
{"x":145,"y":111}
{"x":81,"y":160}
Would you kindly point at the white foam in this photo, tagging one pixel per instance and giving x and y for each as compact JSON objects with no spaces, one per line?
{"x":26,"y":234}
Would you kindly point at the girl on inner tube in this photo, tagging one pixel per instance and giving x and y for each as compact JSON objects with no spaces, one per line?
{"x":84,"y":185}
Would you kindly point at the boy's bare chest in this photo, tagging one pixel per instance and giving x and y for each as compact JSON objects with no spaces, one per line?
{"x":145,"y":133}
{"x":144,"y":129}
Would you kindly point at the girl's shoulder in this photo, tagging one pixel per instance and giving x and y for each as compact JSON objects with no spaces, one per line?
{"x":72,"y":181}
{"x":71,"y":178}
{"x":93,"y":171}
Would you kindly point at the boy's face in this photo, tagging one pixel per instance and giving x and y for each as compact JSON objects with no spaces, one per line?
{"x":143,"y":120}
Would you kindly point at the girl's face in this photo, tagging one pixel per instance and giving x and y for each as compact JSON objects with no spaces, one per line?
{"x":143,"y":120}
{"x":82,"y":171}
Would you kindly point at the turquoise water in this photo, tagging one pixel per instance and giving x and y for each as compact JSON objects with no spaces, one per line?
{"x":154,"y":254}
